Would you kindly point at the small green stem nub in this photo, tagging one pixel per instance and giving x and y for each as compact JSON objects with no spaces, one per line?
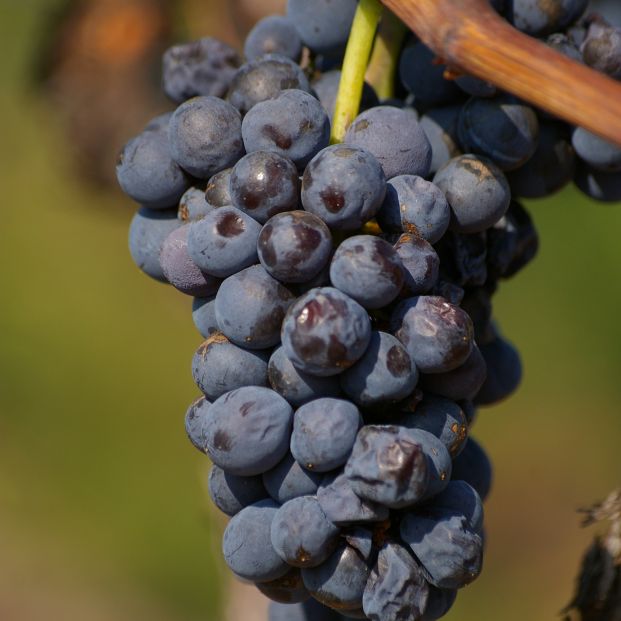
{"x":382,"y":69}
{"x":354,"y":68}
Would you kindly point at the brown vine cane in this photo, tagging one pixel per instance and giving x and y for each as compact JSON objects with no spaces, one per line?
{"x":470,"y":36}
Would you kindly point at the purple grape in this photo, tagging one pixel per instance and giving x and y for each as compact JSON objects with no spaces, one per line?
{"x":193,"y":206}
{"x":288,"y":480}
{"x":232,"y":493}
{"x":289,"y":589}
{"x":273,"y":34}
{"x":421,"y":264}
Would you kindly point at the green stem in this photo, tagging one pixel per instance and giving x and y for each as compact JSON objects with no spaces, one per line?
{"x":382,"y":69}
{"x":355,"y":63}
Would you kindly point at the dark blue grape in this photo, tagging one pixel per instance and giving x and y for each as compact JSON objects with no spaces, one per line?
{"x":324,"y":432}
{"x":437,"y":335}
{"x":451,"y":292}
{"x":147,"y":172}
{"x":204,"y":315}
{"x":179,"y":269}
{"x":205,"y":136}
{"x":473,"y":466}
{"x":293,"y":124}
{"x":147,"y":232}
{"x":541,"y":18}
{"x":193,"y":206}
{"x":388,"y":466}
{"x":443,"y":418}
{"x":439,"y":462}
{"x":247,"y":544}
{"x":361,"y":539}
{"x":310,"y":610}
{"x":504,"y":372}
{"x":325,"y":332}
{"x":476,"y":190}
{"x":601,"y":48}
{"x":323,"y":28}
{"x":224,"y":242}
{"x":477,"y":303}
{"x":460,"y":497}
{"x":395,"y":138}
{"x":231,"y":493}
{"x":340,"y":581}
{"x":502,"y":129}
{"x":326,"y":88}
{"x":195,"y":422}
{"x":463,"y":258}
{"x":601,"y":186}
{"x":384,"y":374}
{"x":343,"y":185}
{"x":343,"y":507}
{"x":464,"y":382}
{"x":440,"y":601}
{"x":422,"y":76}
{"x":367,"y":269}
{"x":288,"y":480}
{"x":263,"y":79}
{"x":217,"y":193}
{"x":294,"y":246}
{"x":421,"y":264}
{"x":219,"y":366}
{"x":301,"y":533}
{"x":475,"y":86}
{"x":250,"y":308}
{"x":273,"y":34}
{"x":448,"y":549}
{"x":247,"y":431}
{"x":565,"y":45}
{"x":413,"y":205}
{"x":550,"y":168}
{"x":440,"y":127}
{"x":595,"y":151}
{"x":203,"y":67}
{"x":296,"y":386}
{"x":264,"y":184}
{"x":289,"y":589}
{"x":396,"y":589}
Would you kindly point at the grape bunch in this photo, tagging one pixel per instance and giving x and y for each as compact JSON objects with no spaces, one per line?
{"x":344,"y":292}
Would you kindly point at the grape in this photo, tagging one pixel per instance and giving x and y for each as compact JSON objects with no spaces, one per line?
{"x":504,"y":372}
{"x":232,"y":493}
{"x":463,"y":258}
{"x":204,"y":315}
{"x":263,"y":79}
{"x":340,"y":581}
{"x":217,"y":193}
{"x":205,"y":136}
{"x":413,"y":205}
{"x":247,"y":431}
{"x":502,"y":129}
{"x":273,"y":34}
{"x":224,"y":242}
{"x":203,"y":67}
{"x":247,"y":545}
{"x":437,"y":335}
{"x":395,"y":138}
{"x":159,"y":122}
{"x":367,"y":269}
{"x":421,"y":264}
{"x":598,"y":185}
{"x":325,"y":332}
{"x":601,"y":48}
{"x":292,"y":124}
{"x":439,"y":603}
{"x":477,"y":191}
{"x":536,"y":18}
{"x":250,"y":307}
{"x":396,"y":588}
{"x":549,"y":169}
{"x":461,"y":498}
{"x":464,"y":382}
{"x":180,"y":270}
{"x":289,"y":589}
{"x":264,"y":184}
{"x":322,"y":27}
{"x":424,"y":78}
{"x":443,"y":418}
{"x":475,"y":86}
{"x":301,"y":533}
{"x":195,"y":422}
{"x":473,"y":466}
{"x":310,"y":610}
{"x":324,"y":432}
{"x":563,"y":44}
{"x":440,"y":127}
{"x":193,"y":205}
{"x":343,"y":507}
{"x":288,"y":480}
{"x":595,"y":151}
{"x":294,"y":246}
{"x":449,"y":550}
{"x":326,"y":88}
{"x":219,"y":366}
{"x":296,"y":386}
{"x":388,"y":466}
{"x":385,"y":373}
{"x":343,"y":185}
{"x":440,"y":466}
{"x":147,"y":232}
{"x":147,"y":173}
{"x":361,"y":539}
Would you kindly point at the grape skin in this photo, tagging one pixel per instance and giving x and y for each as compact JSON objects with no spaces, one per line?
{"x":273,"y":34}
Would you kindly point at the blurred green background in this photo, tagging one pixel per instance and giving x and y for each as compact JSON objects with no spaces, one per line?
{"x":102,"y":505}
